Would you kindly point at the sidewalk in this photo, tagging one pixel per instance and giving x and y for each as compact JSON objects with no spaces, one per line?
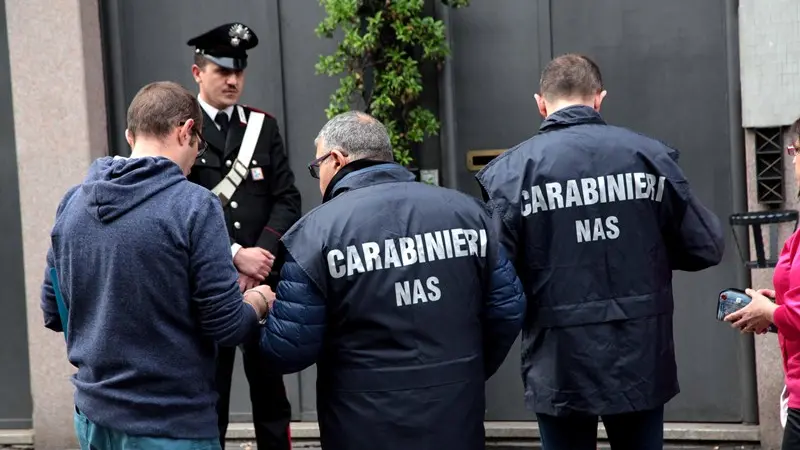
{"x":499,"y":435}
{"x":537,"y":446}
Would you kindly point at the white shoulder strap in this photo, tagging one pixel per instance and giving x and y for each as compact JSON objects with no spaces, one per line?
{"x":227,"y":187}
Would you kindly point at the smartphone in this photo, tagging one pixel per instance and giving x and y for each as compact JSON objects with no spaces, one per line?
{"x":731,"y":300}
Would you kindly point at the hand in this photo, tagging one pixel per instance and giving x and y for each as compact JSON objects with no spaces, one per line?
{"x":757,"y":316}
{"x":246,"y":282}
{"x":257,"y":301}
{"x":769,"y":293}
{"x":254,"y":262}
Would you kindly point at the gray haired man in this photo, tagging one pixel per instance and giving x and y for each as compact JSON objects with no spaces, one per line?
{"x":346,"y":138}
{"x":399,"y":292}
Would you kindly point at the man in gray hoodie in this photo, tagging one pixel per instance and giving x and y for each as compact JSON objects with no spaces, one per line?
{"x":145,"y":269}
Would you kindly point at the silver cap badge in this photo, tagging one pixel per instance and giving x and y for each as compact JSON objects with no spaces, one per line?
{"x":238,"y":33}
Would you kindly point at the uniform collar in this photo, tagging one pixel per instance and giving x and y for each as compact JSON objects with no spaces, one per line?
{"x":365,"y":172}
{"x":571,"y":115}
{"x":211,"y":111}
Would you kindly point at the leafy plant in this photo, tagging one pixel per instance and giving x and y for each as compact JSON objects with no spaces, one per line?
{"x":384,"y":42}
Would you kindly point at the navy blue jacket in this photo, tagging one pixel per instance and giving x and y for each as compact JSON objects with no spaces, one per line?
{"x":399,"y":292}
{"x":146,"y":272}
{"x":597,"y":217}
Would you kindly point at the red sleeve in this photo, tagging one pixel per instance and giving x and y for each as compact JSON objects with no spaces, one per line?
{"x":787,"y":315}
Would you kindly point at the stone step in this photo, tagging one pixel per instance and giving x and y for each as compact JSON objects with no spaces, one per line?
{"x":499,"y":431}
{"x":499,"y":436}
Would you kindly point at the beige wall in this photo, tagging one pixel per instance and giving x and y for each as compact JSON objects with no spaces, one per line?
{"x":769,"y":367}
{"x":60,"y":126}
{"x":769,"y":52}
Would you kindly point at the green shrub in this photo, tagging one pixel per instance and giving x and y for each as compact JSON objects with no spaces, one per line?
{"x":378,"y":59}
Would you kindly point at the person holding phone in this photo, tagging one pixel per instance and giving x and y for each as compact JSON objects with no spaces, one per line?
{"x":784,"y":312}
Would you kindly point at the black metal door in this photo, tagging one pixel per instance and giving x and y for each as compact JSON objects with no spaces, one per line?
{"x":665,"y":67}
{"x":16,"y":406}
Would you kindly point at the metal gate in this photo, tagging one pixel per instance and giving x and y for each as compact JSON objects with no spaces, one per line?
{"x":666,"y":68}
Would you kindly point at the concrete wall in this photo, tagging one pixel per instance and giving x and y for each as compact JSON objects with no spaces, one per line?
{"x":59,"y":119}
{"x":770,"y":61}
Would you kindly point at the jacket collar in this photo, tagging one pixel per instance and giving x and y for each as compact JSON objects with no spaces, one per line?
{"x":364,"y":172}
{"x":569,"y":116}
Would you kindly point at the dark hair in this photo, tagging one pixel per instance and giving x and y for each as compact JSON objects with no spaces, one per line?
{"x":200,"y":61}
{"x":159,"y":107}
{"x":570,"y":76}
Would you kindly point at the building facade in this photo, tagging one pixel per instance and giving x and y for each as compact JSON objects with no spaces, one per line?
{"x":716,"y":79}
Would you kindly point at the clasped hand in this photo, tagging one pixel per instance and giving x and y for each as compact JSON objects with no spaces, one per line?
{"x":254,"y":265}
{"x":758,"y":315}
{"x":254,"y":262}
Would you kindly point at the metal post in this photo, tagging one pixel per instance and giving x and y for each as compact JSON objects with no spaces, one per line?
{"x":739,"y":178}
{"x":110,"y":30}
{"x":448,"y":136}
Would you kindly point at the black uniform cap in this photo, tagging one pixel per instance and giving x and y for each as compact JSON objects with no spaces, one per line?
{"x":226,"y":45}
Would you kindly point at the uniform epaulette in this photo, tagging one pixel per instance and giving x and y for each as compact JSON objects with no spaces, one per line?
{"x":258,"y":110}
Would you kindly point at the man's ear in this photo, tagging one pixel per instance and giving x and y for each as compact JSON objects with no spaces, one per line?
{"x":339,"y":160}
{"x":541,"y":104}
{"x":185,"y":132}
{"x":196,"y":72}
{"x":129,"y":137}
{"x":598,"y":100}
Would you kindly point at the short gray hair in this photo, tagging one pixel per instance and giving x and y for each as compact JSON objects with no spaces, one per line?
{"x":357,"y":135}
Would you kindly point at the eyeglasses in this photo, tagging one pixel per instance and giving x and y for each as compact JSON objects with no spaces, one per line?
{"x":791,"y":150}
{"x":313,"y":166}
{"x":202,"y":145}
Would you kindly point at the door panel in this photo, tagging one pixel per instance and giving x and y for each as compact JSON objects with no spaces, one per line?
{"x":495,"y":65}
{"x":664,"y":65}
{"x":16,"y":408}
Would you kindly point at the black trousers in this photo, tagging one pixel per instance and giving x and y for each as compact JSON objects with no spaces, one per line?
{"x":272,"y":412}
{"x":791,"y":434}
{"x":642,"y":430}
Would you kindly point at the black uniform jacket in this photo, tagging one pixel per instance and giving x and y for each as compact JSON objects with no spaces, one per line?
{"x":401,"y":294}
{"x":267,"y":203}
{"x":597,"y":217}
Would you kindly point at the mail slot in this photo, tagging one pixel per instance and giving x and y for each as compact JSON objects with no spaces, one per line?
{"x":478,"y":159}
